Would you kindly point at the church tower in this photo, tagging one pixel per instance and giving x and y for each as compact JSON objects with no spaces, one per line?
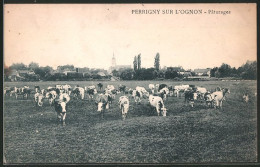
{"x":113,"y":61}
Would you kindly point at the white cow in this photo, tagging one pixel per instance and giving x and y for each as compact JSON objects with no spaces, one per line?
{"x":91,"y":91}
{"x":60,"y":106}
{"x":246,"y":97}
{"x":38,"y":98}
{"x":219,"y":96}
{"x":124,"y":105}
{"x":157,"y":102}
{"x":102,"y":104}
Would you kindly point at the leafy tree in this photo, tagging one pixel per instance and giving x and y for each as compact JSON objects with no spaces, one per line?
{"x":115,"y":73}
{"x":249,"y":71}
{"x":33,"y":65}
{"x":213,"y":71}
{"x":64,"y":67}
{"x":157,"y":62}
{"x":224,"y":70}
{"x":43,"y":71}
{"x":127,"y":74}
{"x":18,"y":66}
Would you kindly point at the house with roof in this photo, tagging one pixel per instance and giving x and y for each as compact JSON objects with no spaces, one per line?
{"x":202,"y":72}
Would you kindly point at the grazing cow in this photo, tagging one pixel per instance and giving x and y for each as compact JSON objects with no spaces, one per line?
{"x":157,"y":102}
{"x":246,"y":97}
{"x":208,"y":97}
{"x":60,"y":106}
{"x":102,"y":104}
{"x":79,"y":92}
{"x":100,"y":86}
{"x":143,"y":91}
{"x":139,"y":93}
{"x":124,"y":106}
{"x":189,"y":97}
{"x":219,"y":96}
{"x":122,"y":88}
{"x":163,"y":93}
{"x":51,"y":96}
{"x":151,"y":87}
{"x":91,"y":91}
{"x":38,"y":99}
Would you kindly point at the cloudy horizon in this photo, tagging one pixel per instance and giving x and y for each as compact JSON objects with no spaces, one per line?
{"x":87,"y":35}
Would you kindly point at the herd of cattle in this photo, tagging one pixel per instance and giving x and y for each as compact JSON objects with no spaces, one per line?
{"x":59,"y":95}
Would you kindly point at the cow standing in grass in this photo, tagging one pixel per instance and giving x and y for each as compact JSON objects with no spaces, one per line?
{"x":157,"y":102}
{"x":219,"y":96}
{"x":189,"y":97}
{"x":79,"y":92}
{"x":124,"y":106}
{"x":246,"y":97}
{"x":163,"y":93}
{"x":60,"y":105}
{"x":91,"y":91}
{"x":102,"y":104}
{"x":38,"y":99}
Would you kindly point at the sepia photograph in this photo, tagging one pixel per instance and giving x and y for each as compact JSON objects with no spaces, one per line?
{"x":165,"y":83}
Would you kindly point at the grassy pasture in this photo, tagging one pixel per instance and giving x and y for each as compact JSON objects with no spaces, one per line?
{"x":186,"y":135}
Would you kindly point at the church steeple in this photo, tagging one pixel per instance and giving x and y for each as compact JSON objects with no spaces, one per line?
{"x":113,"y":60}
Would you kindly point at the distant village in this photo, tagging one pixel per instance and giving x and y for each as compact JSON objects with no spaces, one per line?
{"x":115,"y":72}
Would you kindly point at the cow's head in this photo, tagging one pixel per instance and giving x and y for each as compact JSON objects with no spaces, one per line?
{"x":164,"y":110}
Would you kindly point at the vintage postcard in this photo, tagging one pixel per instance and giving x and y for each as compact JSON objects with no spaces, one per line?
{"x":130,"y":83}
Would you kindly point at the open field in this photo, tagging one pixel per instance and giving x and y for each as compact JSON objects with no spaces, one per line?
{"x":186,"y":135}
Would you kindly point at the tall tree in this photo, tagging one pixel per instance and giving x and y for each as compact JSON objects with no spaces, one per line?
{"x":135,"y":63}
{"x":139,"y":61}
{"x":157,"y":62}
{"x":18,"y":66}
{"x":33,"y":65}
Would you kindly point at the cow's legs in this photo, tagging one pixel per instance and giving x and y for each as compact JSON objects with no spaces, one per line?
{"x":123,"y":114}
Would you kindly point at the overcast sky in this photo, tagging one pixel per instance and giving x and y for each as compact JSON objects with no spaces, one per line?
{"x":87,"y":35}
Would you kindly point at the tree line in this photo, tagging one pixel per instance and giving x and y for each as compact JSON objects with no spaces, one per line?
{"x":246,"y":71}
